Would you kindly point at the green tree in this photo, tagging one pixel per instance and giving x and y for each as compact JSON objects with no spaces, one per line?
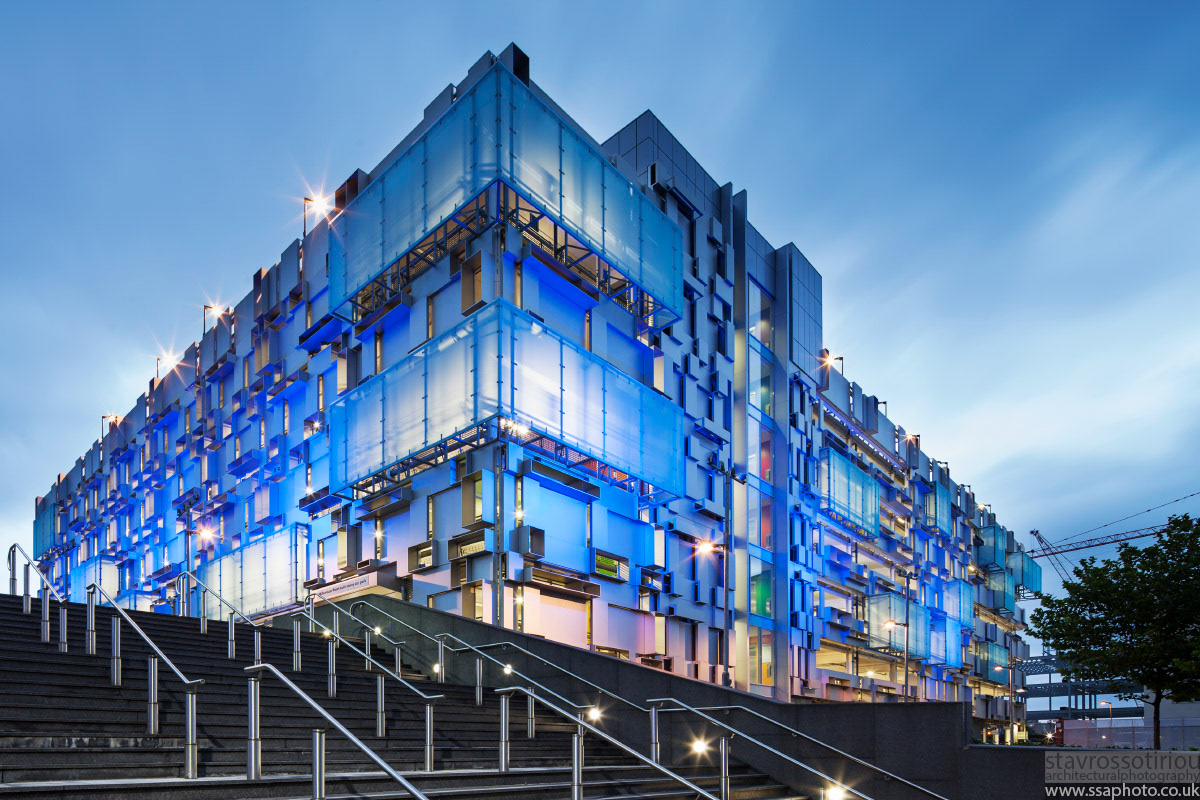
{"x":1136,"y":617}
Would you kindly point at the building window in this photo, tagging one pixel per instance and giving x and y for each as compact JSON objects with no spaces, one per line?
{"x":758,"y":444}
{"x":378,"y":352}
{"x":429,"y":517}
{"x":762,"y":666}
{"x":429,"y":317}
{"x":762,"y":587}
{"x":378,"y":539}
{"x":321,"y":392}
{"x":758,"y":313}
{"x":286,"y":421}
{"x":758,"y":518}
{"x":758,"y":381}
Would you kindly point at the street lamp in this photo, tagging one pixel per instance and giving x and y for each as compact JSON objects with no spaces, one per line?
{"x":320,"y":206}
{"x":704,"y":548}
{"x":1012,"y":702}
{"x":890,"y":625}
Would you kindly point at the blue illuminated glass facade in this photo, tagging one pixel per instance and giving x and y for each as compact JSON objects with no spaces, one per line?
{"x":523,"y":376}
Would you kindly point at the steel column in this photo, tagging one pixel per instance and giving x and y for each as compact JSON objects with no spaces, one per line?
{"x":655,"y":746}
{"x":332,"y":683}
{"x":190,"y":760}
{"x":114,"y":661}
{"x":724,"y":768}
{"x":504,"y":749}
{"x":152,"y":696}
{"x":380,"y":713}
{"x":576,"y":767}
{"x":318,"y":769}
{"x":253,"y":729}
{"x":89,"y":637}
{"x":429,"y":737}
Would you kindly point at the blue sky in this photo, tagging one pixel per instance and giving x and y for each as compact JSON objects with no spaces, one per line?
{"x":1001,"y":198}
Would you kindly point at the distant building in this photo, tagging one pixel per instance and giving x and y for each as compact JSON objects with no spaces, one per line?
{"x":529,"y":378}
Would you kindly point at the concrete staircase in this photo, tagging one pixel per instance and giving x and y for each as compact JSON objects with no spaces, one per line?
{"x":65,"y":732}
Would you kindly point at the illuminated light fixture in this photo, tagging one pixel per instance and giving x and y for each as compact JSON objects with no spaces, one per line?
{"x":519,"y":514}
{"x":998,"y":668}
{"x":699,"y":747}
{"x":204,"y":533}
{"x":437,"y":668}
{"x":829,"y":360}
{"x":870,"y":673}
{"x":508,"y":669}
{"x":321,"y":207}
{"x":519,"y":600}
{"x":705,"y":547}
{"x":593,"y":713}
{"x":835,"y":793}
{"x":970,"y":567}
{"x":378,"y":630}
{"x":320,"y":562}
{"x":327,"y":634}
{"x":889,"y":625}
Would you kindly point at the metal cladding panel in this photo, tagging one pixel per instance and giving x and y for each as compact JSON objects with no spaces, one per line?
{"x":503,"y":361}
{"x":499,"y":129}
{"x":1026,"y":571}
{"x":848,"y":494}
{"x":890,"y":606}
{"x":958,"y":601}
{"x":991,"y":554}
{"x":937,"y":509}
{"x":101,"y":571}
{"x":43,"y":529}
{"x":945,"y":642}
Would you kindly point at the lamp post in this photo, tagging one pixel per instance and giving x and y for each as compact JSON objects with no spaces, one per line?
{"x":1012,"y":704}
{"x":705,"y":548}
{"x":891,"y":624}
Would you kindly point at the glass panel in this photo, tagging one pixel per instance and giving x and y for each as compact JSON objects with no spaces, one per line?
{"x":758,"y":443}
{"x":758,"y":381}
{"x":536,"y":161}
{"x":762,"y":587}
{"x":403,"y":204}
{"x":758,"y":313}
{"x":848,"y":494}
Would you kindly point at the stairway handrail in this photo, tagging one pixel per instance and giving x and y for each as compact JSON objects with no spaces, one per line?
{"x":368,"y":657}
{"x":188,"y":684}
{"x":12,"y":566}
{"x":342,"y":729}
{"x":814,"y":740}
{"x":513,"y":645}
{"x":609,"y":738}
{"x":740,"y":733}
{"x":378,"y":632}
{"x":196,"y":581}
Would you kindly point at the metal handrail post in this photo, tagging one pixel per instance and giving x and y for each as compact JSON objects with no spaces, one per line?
{"x":26,"y":600}
{"x":576,"y":766}
{"x":337,"y":633}
{"x":191,"y":754}
{"x":380,"y":712}
{"x":332,"y":683}
{"x":504,"y":749}
{"x":441,"y":665}
{"x":342,"y":729}
{"x":655,"y":747}
{"x":257,"y":646}
{"x":152,"y":696}
{"x":318,"y":769}
{"x":203,"y":612}
{"x":429,"y":737}
{"x":231,"y":648}
{"x":296,"y":662}
{"x":89,"y":636}
{"x":479,"y":681}
{"x":530,"y":718}
{"x":254,"y":728}
{"x":45,"y":617}
{"x":724,"y":768}
{"x":12,"y":571}
{"x":114,"y":663}
{"x":62,"y":627}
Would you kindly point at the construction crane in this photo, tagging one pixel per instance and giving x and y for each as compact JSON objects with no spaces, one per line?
{"x":1054,"y":552}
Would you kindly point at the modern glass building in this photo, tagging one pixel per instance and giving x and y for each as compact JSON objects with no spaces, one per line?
{"x":564,"y":387}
